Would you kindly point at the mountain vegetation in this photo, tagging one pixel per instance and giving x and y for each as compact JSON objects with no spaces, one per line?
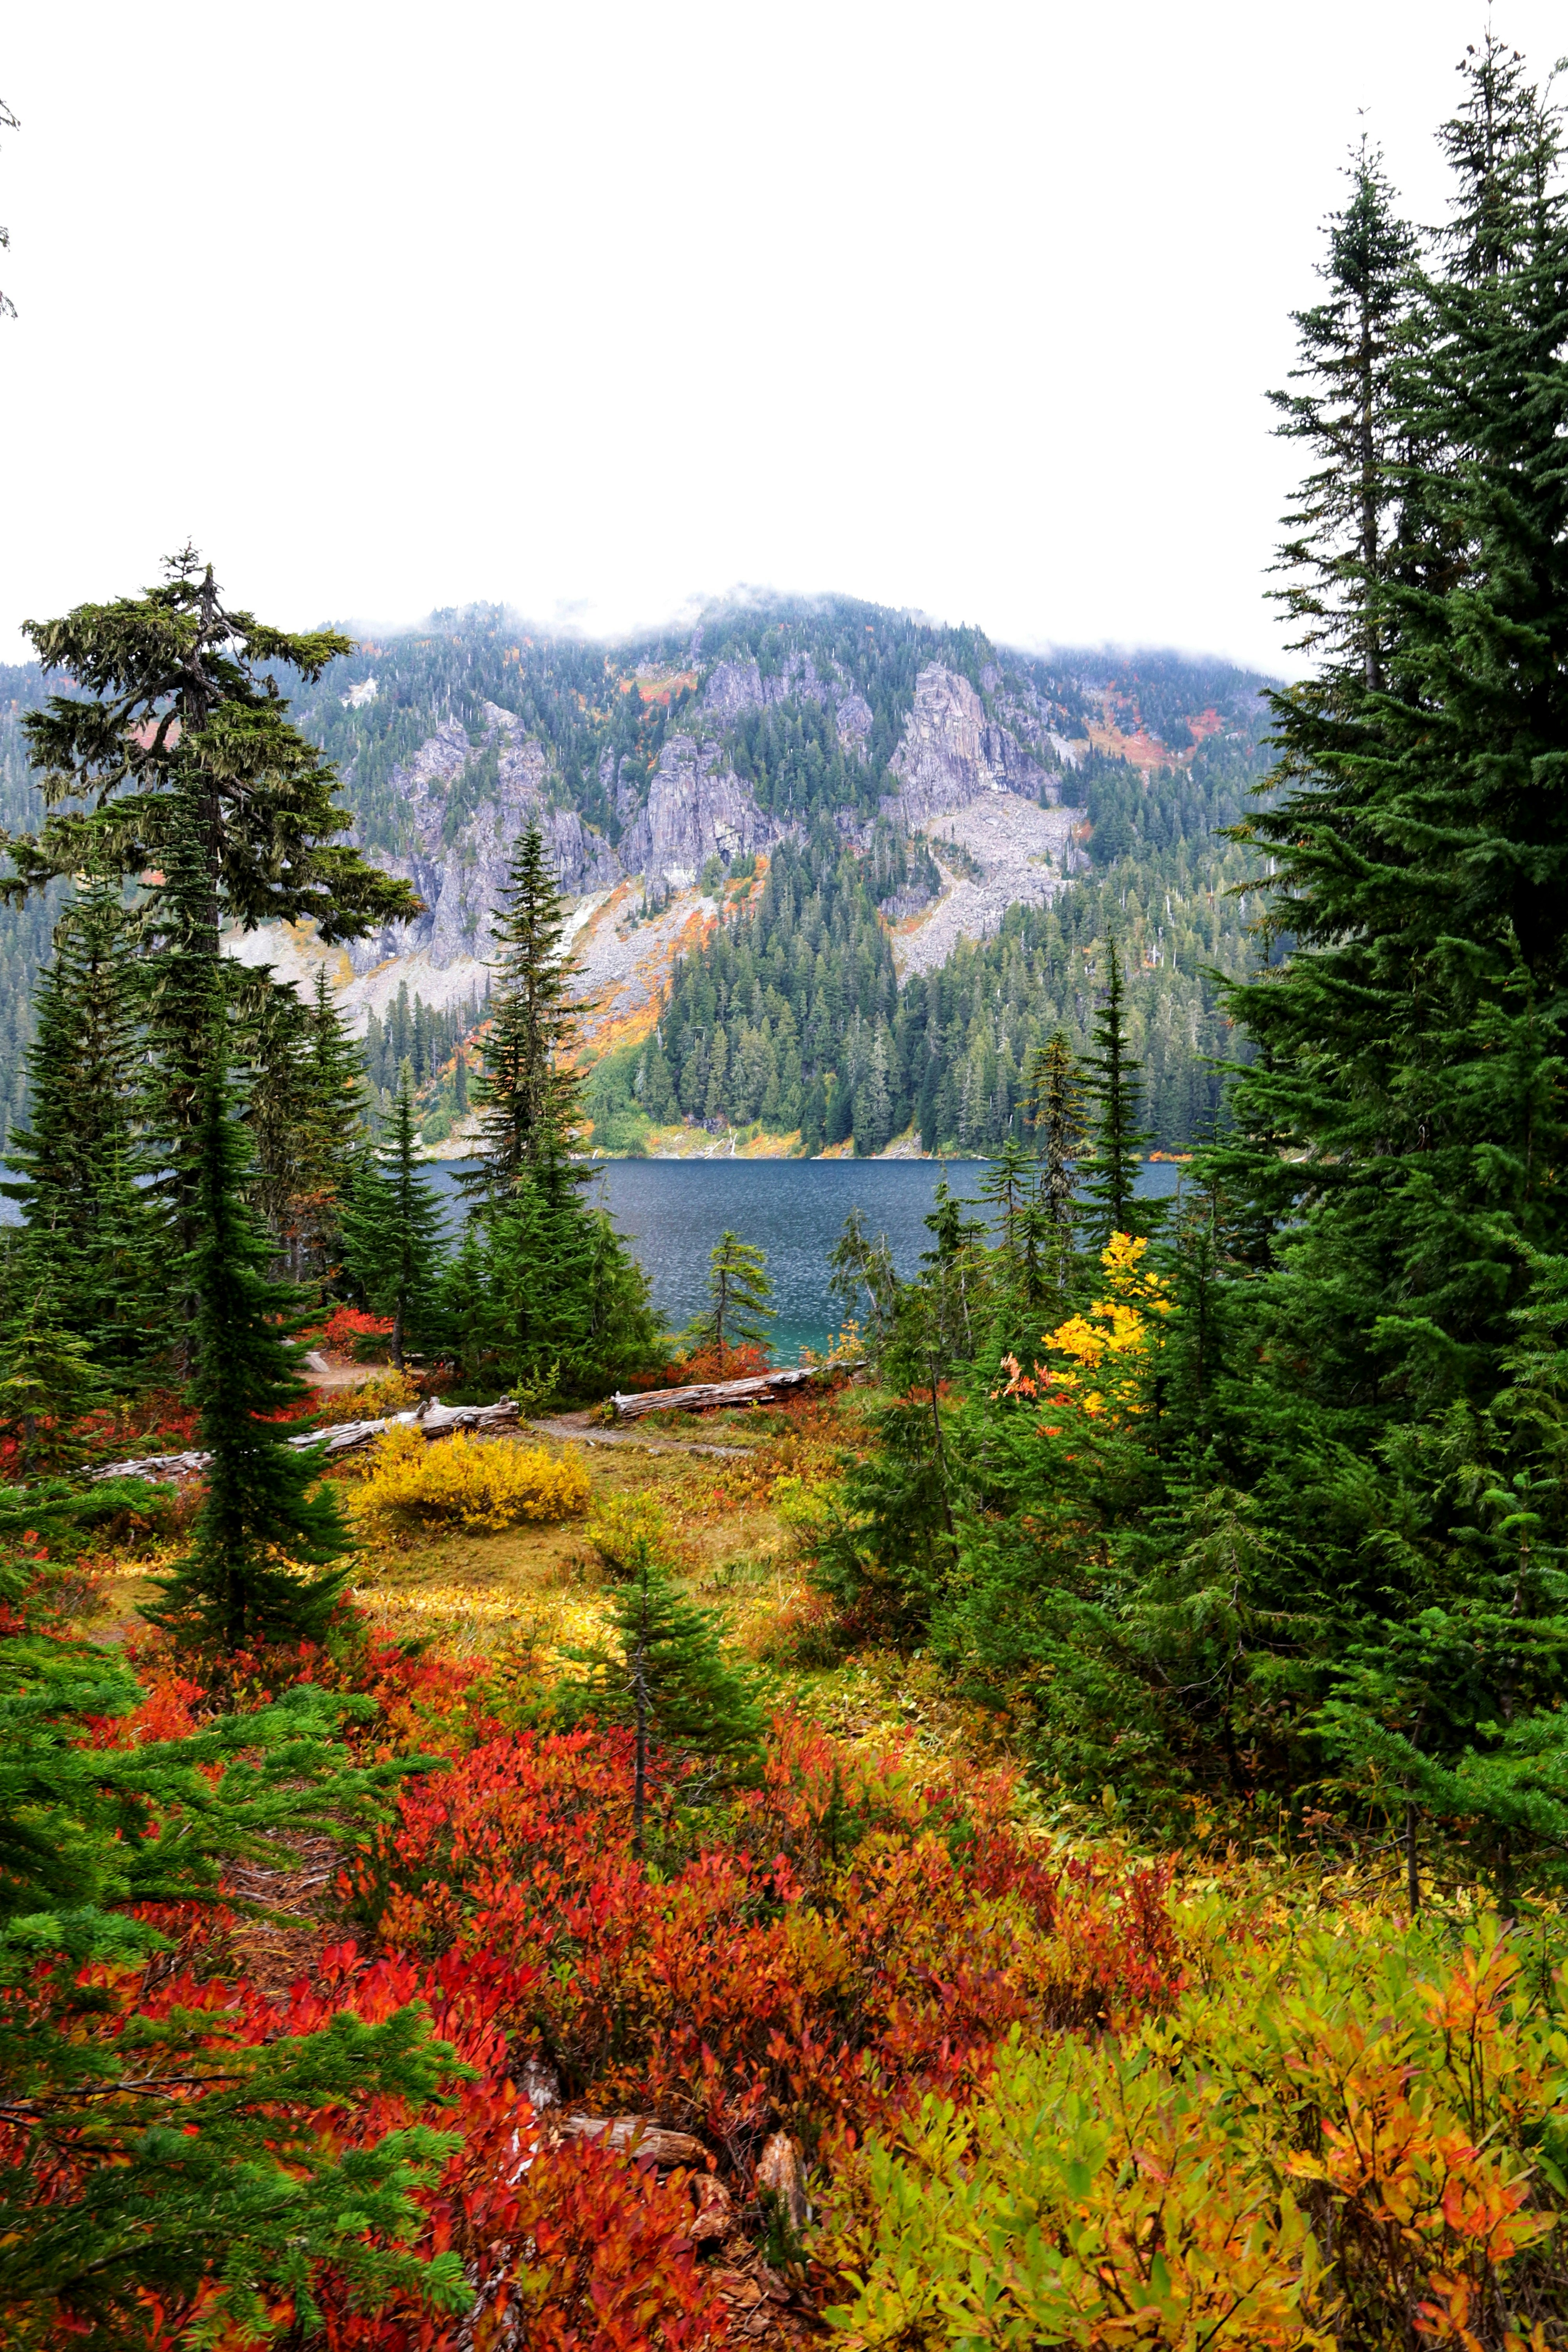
{"x":1055,"y":1836}
{"x":791,"y":1016}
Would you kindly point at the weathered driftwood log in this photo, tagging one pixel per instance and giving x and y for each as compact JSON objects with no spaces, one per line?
{"x":754,"y":1391}
{"x":637,"y":2133}
{"x":433,"y":1419}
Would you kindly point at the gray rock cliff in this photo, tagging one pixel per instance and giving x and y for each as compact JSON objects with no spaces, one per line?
{"x":697,"y":808}
{"x":952,"y":753}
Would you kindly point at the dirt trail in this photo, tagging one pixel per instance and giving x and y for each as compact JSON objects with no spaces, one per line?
{"x":580,"y":1430}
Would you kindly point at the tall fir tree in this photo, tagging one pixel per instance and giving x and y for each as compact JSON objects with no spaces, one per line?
{"x":91,"y":1225}
{"x":172,"y":765}
{"x":304,"y":1110}
{"x":265,"y":1524}
{"x":1412,"y":1037}
{"x":1111,"y":1083}
{"x":739,"y":1295}
{"x":393,"y":1231}
{"x":1059,"y":1128}
{"x":176,"y":694}
{"x":558,"y":1302}
{"x":528,"y":1092}
{"x":1347,"y":413}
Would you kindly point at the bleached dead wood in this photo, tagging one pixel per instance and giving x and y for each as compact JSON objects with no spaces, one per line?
{"x":756,"y":1390}
{"x":432,"y":1420}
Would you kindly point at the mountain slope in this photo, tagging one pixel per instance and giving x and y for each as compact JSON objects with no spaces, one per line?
{"x":682,"y":779}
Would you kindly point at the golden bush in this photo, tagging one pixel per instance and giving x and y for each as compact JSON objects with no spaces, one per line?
{"x":470,"y":1481}
{"x":623,"y":1525}
{"x":376,"y":1399}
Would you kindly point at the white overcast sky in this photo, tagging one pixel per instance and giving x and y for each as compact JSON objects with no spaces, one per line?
{"x":598,"y":308}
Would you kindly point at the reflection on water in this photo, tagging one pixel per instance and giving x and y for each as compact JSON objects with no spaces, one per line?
{"x":673,"y":1211}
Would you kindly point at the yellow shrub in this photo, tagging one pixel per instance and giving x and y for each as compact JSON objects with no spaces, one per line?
{"x":376,"y":1399}
{"x":623,"y":1524}
{"x":472,"y":1482}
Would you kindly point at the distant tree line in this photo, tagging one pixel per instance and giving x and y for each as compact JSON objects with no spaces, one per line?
{"x":791,"y":1016}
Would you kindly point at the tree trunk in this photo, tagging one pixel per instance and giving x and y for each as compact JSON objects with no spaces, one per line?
{"x":1411,"y":1869}
{"x":640,"y":1777}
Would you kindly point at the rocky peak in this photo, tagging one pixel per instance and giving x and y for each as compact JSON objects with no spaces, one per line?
{"x":952,"y":753}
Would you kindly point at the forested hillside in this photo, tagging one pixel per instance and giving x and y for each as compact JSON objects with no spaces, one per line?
{"x":804,"y":755}
{"x":793,"y":1015}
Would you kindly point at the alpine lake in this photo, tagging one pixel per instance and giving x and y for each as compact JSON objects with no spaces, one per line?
{"x":672,"y":1212}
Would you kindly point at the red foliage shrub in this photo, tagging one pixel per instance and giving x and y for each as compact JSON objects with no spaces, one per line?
{"x":350,"y":1331}
{"x":867,"y":1936}
{"x":855,"y":1931}
{"x":689,"y":1371}
{"x":576,"y":2247}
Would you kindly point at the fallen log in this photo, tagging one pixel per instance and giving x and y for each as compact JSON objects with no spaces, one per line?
{"x":758,"y":1388}
{"x":639,"y":2134}
{"x":433,"y":1419}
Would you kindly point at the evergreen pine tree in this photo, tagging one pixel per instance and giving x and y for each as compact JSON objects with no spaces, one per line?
{"x":528,"y":1092}
{"x":47,"y":1378}
{"x":672,"y":1682}
{"x":189,"y":782}
{"x":393,"y":1231}
{"x":88,"y":1218}
{"x":1112,"y":1086}
{"x":739,"y":1290}
{"x":1058,"y":1124}
{"x":304,"y":1108}
{"x":1348,"y":414}
{"x":261,"y":1529}
{"x":173,"y":694}
{"x":1007,"y":1186}
{"x":1412,"y":1037}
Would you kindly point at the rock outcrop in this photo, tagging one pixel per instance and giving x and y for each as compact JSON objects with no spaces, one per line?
{"x":952,"y":753}
{"x":460,"y":827}
{"x":736,"y":687}
{"x":697,"y":808}
{"x":460,"y":872}
{"x":853,"y":717}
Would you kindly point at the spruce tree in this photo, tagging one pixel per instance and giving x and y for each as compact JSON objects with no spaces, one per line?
{"x":47,"y":1378}
{"x":172,"y":765}
{"x":1347,"y":413}
{"x":304,"y":1110}
{"x":80,"y":1162}
{"x":1412,"y":1037}
{"x":175,"y":695}
{"x":1111,"y":1083}
{"x":1059,"y":1126}
{"x":261,"y":1530}
{"x":393,"y":1231}
{"x":739,"y":1290}
{"x":1007,"y":1186}
{"x":528,"y":1092}
{"x":671,"y":1681}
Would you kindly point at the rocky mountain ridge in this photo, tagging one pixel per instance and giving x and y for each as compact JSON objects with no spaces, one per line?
{"x":696,"y":807}
{"x":660,"y":768}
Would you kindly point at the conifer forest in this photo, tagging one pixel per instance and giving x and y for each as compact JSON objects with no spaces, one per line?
{"x":1044,"y":1825}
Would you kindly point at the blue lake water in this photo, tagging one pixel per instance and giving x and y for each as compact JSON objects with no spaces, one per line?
{"x":673,"y":1211}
